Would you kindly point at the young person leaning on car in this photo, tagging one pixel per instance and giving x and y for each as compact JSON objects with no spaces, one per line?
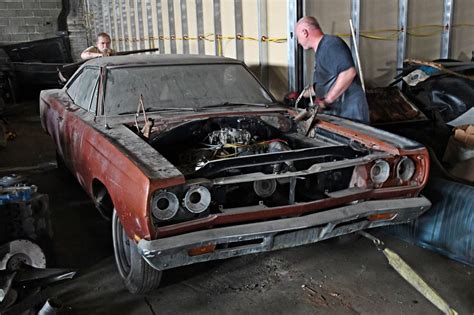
{"x":101,"y":48}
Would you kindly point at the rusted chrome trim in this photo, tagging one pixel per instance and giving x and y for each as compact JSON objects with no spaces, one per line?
{"x":271,"y":235}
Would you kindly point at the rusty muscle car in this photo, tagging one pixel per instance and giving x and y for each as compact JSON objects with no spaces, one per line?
{"x":194,"y":160}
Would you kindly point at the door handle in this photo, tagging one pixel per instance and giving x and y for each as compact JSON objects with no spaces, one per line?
{"x":60,"y":118}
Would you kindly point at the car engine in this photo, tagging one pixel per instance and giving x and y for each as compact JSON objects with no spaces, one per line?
{"x":226,"y":158}
{"x":220,"y":139}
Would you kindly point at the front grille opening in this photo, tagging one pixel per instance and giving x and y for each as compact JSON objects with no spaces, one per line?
{"x":308,"y":188}
{"x":239,"y":243}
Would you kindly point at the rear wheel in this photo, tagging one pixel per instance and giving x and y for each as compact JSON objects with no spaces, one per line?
{"x":138,"y":275}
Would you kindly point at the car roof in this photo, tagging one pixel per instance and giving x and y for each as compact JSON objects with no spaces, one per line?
{"x":158,"y":59}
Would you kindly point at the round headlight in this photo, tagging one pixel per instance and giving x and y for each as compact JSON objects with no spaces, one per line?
{"x":265,"y":188}
{"x":405,"y":168}
{"x":197,"y":199}
{"x":380,"y":171}
{"x":164,"y":205}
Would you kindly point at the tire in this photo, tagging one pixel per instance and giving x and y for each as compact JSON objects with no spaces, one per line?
{"x":138,"y":275}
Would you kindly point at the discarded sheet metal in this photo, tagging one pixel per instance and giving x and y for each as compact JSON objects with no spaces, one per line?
{"x":389,"y":105}
{"x":19,"y":252}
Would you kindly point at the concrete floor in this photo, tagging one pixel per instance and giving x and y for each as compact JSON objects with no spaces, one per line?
{"x":321,"y":278}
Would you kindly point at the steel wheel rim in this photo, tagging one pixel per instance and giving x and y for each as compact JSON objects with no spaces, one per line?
{"x":122,"y":248}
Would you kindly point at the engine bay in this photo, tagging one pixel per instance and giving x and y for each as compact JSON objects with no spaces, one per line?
{"x":191,"y":146}
{"x":263,"y":158}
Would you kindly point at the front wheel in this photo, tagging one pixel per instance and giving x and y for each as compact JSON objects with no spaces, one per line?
{"x":138,"y":275}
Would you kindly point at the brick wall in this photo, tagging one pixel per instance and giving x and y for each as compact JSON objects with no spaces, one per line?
{"x":77,"y":30}
{"x":26,"y":20}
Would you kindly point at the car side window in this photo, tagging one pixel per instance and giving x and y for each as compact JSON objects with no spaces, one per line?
{"x":83,"y":90}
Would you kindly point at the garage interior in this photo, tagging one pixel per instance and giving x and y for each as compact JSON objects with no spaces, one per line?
{"x":57,"y":252}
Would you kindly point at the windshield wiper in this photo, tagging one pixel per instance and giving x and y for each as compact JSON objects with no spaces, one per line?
{"x":163,"y":109}
{"x":239,"y":103}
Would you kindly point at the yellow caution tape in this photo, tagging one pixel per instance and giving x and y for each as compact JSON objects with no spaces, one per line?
{"x":392,"y":34}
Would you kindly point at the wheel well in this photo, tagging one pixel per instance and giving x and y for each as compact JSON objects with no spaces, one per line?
{"x":102,"y":200}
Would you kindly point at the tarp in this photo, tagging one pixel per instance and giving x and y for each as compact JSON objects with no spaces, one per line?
{"x":448,"y":226}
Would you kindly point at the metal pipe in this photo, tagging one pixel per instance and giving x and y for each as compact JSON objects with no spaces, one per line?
{"x":447,"y":26}
{"x":200,"y":27}
{"x":184,"y":26}
{"x":355,"y":17}
{"x":172,"y":28}
{"x":263,"y":46}
{"x":217,"y":27}
{"x":402,"y":35}
{"x":292,"y":45}
{"x":239,"y":44}
{"x":356,"y":49}
{"x":159,"y":13}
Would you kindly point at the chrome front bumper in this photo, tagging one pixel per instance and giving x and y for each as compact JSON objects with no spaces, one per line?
{"x":271,"y":235}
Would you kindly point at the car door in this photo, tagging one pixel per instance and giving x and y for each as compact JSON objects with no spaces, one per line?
{"x":78,"y":115}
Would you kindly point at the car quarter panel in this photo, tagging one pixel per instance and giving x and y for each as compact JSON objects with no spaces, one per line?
{"x":129,"y":169}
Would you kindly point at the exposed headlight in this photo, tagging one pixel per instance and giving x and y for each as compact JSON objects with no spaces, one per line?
{"x":265,"y":188}
{"x":164,"y":205}
{"x":380,"y":171}
{"x":405,"y":168}
{"x":197,"y":199}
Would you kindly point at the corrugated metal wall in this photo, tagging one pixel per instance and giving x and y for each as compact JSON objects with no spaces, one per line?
{"x":234,"y":28}
{"x":230,"y":28}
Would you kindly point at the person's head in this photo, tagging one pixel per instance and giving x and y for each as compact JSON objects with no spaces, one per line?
{"x":308,"y":32}
{"x":103,"y":42}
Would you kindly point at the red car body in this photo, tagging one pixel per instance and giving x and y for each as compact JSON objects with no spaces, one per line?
{"x":134,"y":173}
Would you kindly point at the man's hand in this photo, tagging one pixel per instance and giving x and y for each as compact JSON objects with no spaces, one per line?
{"x":322,"y":103}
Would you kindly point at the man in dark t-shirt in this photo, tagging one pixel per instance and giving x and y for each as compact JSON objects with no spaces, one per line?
{"x":336,"y":83}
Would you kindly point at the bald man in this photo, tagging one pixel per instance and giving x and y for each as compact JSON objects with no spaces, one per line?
{"x":335,"y":78}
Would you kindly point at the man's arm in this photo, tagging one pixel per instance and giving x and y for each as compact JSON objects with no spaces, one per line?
{"x":92,"y":52}
{"x":343,"y":81}
{"x":88,"y":55}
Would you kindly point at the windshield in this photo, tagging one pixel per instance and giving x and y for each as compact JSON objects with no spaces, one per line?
{"x":181,"y":87}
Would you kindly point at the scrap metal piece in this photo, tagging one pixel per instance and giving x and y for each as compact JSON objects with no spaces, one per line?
{"x":45,"y":275}
{"x":20,"y":252}
{"x":11,"y":180}
{"x":6,"y":280}
{"x":51,"y":307}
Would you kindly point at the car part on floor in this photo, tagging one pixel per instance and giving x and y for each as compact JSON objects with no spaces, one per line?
{"x":24,"y":212}
{"x":22,"y":285}
{"x":6,"y":280}
{"x":19,"y":252}
{"x":51,"y":307}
